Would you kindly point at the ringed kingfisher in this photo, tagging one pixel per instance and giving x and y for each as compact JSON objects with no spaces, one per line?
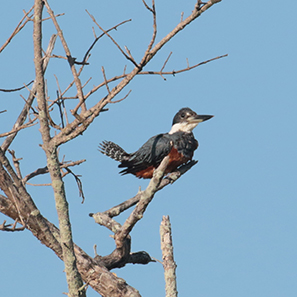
{"x":179,"y":143}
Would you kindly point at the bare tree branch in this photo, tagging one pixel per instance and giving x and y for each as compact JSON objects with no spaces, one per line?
{"x":195,"y":14}
{"x":165,"y":65}
{"x":23,"y":115}
{"x":100,"y":36}
{"x":169,"y":179}
{"x":95,"y":275}
{"x":79,"y":184}
{"x":161,"y":73}
{"x":44,"y":170}
{"x":122,"y":255}
{"x":128,"y":57}
{"x":69,"y":57}
{"x":27,"y":125}
{"x":11,"y":227}
{"x":73,"y":277}
{"x":117,"y":101}
{"x":16,"y":163}
{"x":153,"y":11}
{"x":18,"y":28}
{"x":17,"y":89}
{"x":20,"y":201}
{"x":168,"y":259}
{"x":145,"y":199}
{"x":105,"y":81}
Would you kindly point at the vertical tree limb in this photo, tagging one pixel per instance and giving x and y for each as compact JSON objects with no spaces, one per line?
{"x":167,"y":256}
{"x":72,"y":275}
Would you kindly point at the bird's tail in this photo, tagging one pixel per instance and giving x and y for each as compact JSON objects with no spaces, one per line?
{"x":113,"y":151}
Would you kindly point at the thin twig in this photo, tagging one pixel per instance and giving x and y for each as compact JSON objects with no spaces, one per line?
{"x":153,"y":11}
{"x":173,"y":72}
{"x":147,"y":7}
{"x":18,"y":28}
{"x":100,"y":36}
{"x":117,"y":45}
{"x":16,"y":163}
{"x":39,"y":185}
{"x":79,"y":184}
{"x":57,"y":15}
{"x":44,"y":170}
{"x":188,"y":63}
{"x":117,"y":101}
{"x":11,"y":227}
{"x":165,"y":65}
{"x":16,"y":89}
{"x":30,"y":107}
{"x":65,"y":111}
{"x":60,"y":102}
{"x":68,"y":87}
{"x":69,"y":57}
{"x":57,"y":82}
{"x":124,"y":71}
{"x":105,"y":80}
{"x":27,"y":125}
{"x":23,"y":115}
{"x":181,"y":16}
{"x":87,"y":82}
{"x":194,"y":15}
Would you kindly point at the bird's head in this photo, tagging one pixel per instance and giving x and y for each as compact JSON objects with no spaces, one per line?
{"x":186,"y":120}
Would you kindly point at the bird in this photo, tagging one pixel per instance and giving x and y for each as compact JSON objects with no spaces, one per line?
{"x":179,"y":143}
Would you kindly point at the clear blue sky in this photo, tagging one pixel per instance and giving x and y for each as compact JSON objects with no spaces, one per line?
{"x":234,"y":214}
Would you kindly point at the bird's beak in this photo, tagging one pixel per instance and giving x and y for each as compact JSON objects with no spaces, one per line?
{"x":199,"y":118}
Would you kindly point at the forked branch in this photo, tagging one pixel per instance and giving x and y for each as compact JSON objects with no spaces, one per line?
{"x":153,"y":11}
{"x":146,"y":198}
{"x":68,"y":55}
{"x":24,"y":113}
{"x":18,"y":28}
{"x":11,"y":227}
{"x":74,"y":279}
{"x":128,"y":57}
{"x":44,"y":170}
{"x":122,"y":255}
{"x":169,"y":179}
{"x":99,"y":37}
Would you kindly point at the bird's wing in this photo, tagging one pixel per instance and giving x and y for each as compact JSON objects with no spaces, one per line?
{"x":150,"y":154}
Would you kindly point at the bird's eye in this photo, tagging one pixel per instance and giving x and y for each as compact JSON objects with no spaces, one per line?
{"x":182,"y":115}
